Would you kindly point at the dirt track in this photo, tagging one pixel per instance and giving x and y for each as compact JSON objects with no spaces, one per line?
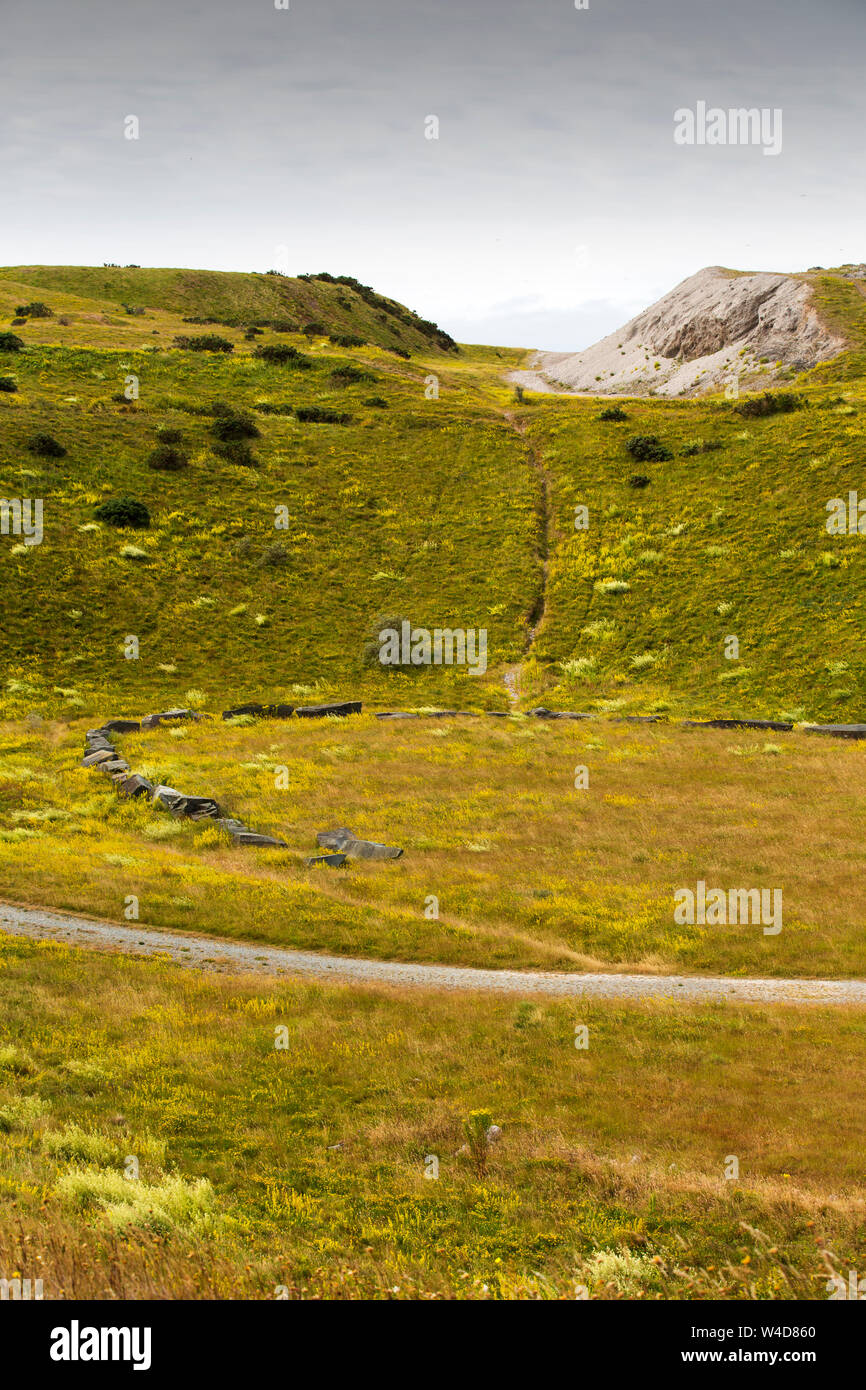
{"x":214,"y":953}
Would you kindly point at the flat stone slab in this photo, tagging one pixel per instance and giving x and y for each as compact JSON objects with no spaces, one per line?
{"x":196,"y":807}
{"x":838,"y":730}
{"x":345,"y":842}
{"x":542,"y":713}
{"x":251,"y":837}
{"x":398,"y":714}
{"x":99,"y":755}
{"x":779,"y":726}
{"x":334,"y":861}
{"x":122,"y":726}
{"x":320,"y":711}
{"x":150,"y":721}
{"x":261,"y":711}
{"x":113,"y":765}
{"x":136,"y":786}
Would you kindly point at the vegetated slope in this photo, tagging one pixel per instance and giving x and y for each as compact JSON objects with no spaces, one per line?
{"x":727,"y":537}
{"x":323,"y":1191}
{"x":425,"y":509}
{"x":717,"y":328}
{"x":341,"y":305}
{"x":393,"y":504}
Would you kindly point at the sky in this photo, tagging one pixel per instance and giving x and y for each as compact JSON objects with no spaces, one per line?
{"x":553,"y":206}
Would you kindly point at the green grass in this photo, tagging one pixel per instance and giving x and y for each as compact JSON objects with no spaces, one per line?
{"x":528,"y":871}
{"x":300,"y":1171}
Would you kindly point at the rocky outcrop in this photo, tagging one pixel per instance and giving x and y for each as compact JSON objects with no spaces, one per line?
{"x":716,"y":328}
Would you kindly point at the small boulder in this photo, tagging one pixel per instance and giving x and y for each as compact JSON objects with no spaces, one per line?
{"x":320,"y":711}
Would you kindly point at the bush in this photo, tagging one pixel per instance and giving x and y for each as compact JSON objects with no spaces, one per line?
{"x":205,"y":342}
{"x":613,"y":412}
{"x":168,"y":434}
{"x":45,"y":446}
{"x":638,"y":480}
{"x":36,"y":310}
{"x":236,"y":451}
{"x":314,"y":329}
{"x":646,"y":448}
{"x":230,"y":427}
{"x":378,"y":401}
{"x":165,"y":458}
{"x":8,"y":383}
{"x":400,"y":352}
{"x":317,"y":415}
{"x":284,"y":326}
{"x":346,"y":340}
{"x":274,"y":408}
{"x":124,"y":511}
{"x":281,"y":353}
{"x":10,"y":342}
{"x":700,"y":446}
{"x":770,"y":403}
{"x":346,"y":376}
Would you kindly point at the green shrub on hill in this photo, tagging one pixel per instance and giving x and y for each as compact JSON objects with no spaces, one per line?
{"x":234,"y":426}
{"x":647,"y":448}
{"x":45,"y":446}
{"x":166,"y":458}
{"x":124,"y":511}
{"x":770,"y":403}
{"x":205,"y":342}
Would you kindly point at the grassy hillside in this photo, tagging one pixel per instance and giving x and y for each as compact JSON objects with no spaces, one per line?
{"x":234,"y":299}
{"x":725,"y":538}
{"x":301,"y":1172}
{"x":439,"y":510}
{"x":528,"y":871}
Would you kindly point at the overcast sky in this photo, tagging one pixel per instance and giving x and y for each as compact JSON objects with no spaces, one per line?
{"x":552,"y":207}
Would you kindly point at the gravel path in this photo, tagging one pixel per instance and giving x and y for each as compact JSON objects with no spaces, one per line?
{"x":214,"y":953}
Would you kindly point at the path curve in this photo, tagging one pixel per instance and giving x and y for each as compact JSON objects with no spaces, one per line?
{"x":215,"y":953}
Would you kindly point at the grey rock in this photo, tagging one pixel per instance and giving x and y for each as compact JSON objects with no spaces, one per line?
{"x":136,"y":786}
{"x":113,"y":765}
{"x":838,"y":730}
{"x":345,"y":842}
{"x":398,"y":714}
{"x":320,"y":711}
{"x":122,"y":726}
{"x":778,"y":725}
{"x":99,"y":755}
{"x":196,"y":807}
{"x":243,"y":709}
{"x":150,"y":721}
{"x":334,"y":861}
{"x":250,"y":837}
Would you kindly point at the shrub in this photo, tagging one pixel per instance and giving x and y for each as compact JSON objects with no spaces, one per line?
{"x":168,"y":434}
{"x":36,"y":310}
{"x":613,"y":412}
{"x":205,"y":342}
{"x":135,"y":309}
{"x":231,"y":427}
{"x":274,"y":556}
{"x":378,"y":401}
{"x":400,"y":352}
{"x":770,"y":403}
{"x":284,"y":326}
{"x":77,"y":1143}
{"x":638,"y":480}
{"x":8,"y":383}
{"x":281,"y":354}
{"x":373,"y":644}
{"x":314,"y":329}
{"x":10,"y":342}
{"x":477,"y":1128}
{"x":45,"y":446}
{"x":700,"y":446}
{"x":274,"y":408}
{"x":166,"y":458}
{"x":123,"y":511}
{"x":236,"y":451}
{"x":346,"y":339}
{"x":318,"y":415}
{"x":346,"y":376}
{"x":21,"y":1112}
{"x":646,"y":448}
